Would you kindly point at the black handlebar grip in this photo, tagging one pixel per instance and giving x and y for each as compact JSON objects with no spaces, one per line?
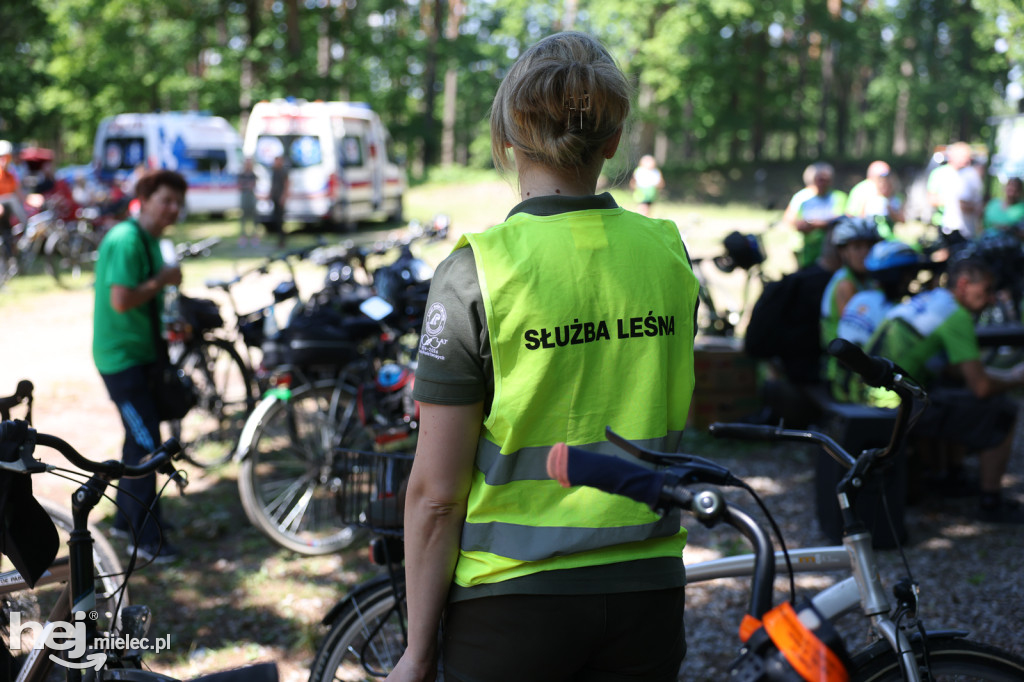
{"x":875,"y":371}
{"x":758,"y":432}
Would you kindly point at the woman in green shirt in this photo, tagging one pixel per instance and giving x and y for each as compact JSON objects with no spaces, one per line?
{"x":1006,"y":214}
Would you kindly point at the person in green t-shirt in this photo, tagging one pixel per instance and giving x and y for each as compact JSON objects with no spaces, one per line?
{"x":130,"y":278}
{"x":1006,"y":214}
{"x":932,"y":339}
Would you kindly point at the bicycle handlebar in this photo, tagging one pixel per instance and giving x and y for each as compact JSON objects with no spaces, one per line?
{"x":264,"y":266}
{"x":25,"y":438}
{"x":661,"y":489}
{"x":196,"y":249}
{"x":762,"y":432}
{"x":874,"y":370}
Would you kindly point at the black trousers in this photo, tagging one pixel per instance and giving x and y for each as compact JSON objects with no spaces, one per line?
{"x":560,"y":638}
{"x":130,"y":390}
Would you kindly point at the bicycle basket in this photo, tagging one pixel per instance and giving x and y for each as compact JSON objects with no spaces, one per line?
{"x":372,"y":489}
{"x":201,"y":313}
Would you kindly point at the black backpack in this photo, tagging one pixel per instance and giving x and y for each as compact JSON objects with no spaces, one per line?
{"x":785,"y":324}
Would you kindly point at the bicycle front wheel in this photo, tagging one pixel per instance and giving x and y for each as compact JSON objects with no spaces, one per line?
{"x":367,"y":638}
{"x":71,"y":259}
{"x":289,"y":479}
{"x":210,"y":430}
{"x":947,"y":659}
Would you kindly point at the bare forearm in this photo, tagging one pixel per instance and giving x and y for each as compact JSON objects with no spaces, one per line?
{"x":124,"y":298}
{"x":432,"y":533}
{"x":1001,"y":380}
{"x":130,"y":298}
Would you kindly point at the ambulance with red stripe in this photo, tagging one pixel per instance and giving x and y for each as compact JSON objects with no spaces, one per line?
{"x":339,"y":170}
{"x":206,"y":149}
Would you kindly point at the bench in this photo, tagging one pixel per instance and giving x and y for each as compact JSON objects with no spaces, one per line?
{"x":856,"y":428}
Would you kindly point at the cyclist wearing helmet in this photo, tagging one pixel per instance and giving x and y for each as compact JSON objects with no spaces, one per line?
{"x":892,"y":265}
{"x":853,"y":239}
{"x":931,"y":337}
{"x":571,"y":315}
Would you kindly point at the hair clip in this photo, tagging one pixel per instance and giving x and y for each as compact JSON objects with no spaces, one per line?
{"x":582,"y":105}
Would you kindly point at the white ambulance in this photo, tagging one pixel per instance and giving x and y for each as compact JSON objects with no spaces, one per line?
{"x":339,"y":170}
{"x":206,"y":149}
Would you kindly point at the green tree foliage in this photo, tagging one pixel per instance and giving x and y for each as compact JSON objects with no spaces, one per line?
{"x":717,"y":81}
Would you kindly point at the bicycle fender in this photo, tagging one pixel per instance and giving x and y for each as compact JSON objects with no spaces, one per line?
{"x":357,"y":592}
{"x":253,"y":422}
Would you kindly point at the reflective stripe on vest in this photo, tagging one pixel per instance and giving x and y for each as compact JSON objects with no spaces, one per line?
{"x":590,"y":318}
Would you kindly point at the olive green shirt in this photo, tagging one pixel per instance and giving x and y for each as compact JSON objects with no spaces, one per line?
{"x":124,"y":340}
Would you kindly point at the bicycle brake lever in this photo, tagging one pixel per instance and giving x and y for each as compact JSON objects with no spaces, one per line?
{"x":25,"y":464}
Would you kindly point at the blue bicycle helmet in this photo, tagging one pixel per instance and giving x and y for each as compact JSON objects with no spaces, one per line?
{"x":853,"y":229}
{"x":889,"y":255}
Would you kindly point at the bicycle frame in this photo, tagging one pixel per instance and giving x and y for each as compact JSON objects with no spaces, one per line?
{"x":38,"y":664}
{"x":76,"y":572}
{"x":863,"y":589}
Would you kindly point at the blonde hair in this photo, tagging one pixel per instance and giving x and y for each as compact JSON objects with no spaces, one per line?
{"x":561,"y":101}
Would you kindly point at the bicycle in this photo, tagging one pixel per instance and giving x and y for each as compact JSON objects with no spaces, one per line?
{"x":39,"y":601}
{"x":367,"y":629}
{"x":25,"y":244}
{"x":741,"y":251}
{"x":249,"y":330}
{"x":107,"y":646}
{"x":224,"y":383}
{"x":902,"y":649}
{"x":343,"y":381}
{"x":73,"y":249}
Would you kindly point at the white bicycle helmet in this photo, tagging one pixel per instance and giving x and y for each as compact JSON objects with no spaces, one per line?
{"x":6,"y":148}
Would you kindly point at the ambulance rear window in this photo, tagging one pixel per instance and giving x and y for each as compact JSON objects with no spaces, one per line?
{"x":123,"y":152}
{"x":300,"y":151}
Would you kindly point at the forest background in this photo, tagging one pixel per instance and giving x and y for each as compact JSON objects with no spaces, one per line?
{"x":719,"y":83}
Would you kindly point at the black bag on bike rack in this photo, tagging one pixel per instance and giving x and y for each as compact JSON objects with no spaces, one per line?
{"x":27,"y":534}
{"x":201,"y":314}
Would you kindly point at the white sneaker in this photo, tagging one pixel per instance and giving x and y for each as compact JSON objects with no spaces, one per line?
{"x":155,"y":554}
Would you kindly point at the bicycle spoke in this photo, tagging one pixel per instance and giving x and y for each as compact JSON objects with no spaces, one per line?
{"x":281,"y":502}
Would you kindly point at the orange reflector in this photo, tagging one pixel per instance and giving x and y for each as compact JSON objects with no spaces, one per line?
{"x":748,"y":627}
{"x":808,"y":655}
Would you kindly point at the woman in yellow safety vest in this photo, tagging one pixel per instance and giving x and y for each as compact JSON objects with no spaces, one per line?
{"x":572,"y":315}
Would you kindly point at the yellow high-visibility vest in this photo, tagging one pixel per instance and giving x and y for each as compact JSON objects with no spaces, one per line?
{"x":591,"y":322}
